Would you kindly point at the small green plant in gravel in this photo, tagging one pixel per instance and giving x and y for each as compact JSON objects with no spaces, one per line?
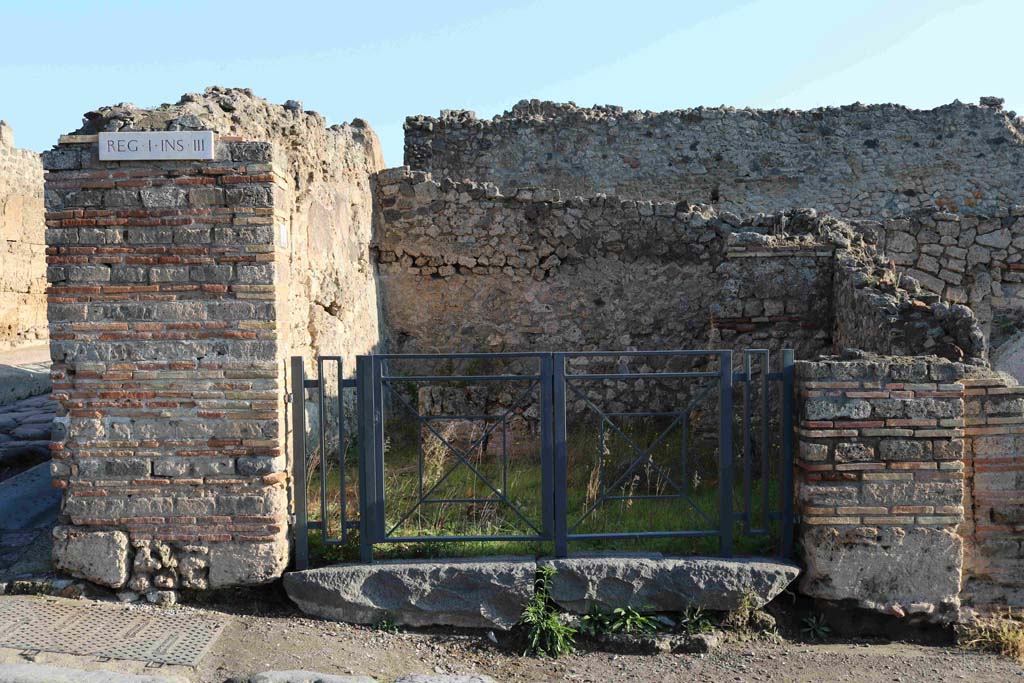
{"x":693,"y":620}
{"x":546,"y":634}
{"x":628,"y":620}
{"x":595,"y":622}
{"x":387,"y":624}
{"x":815,"y":628}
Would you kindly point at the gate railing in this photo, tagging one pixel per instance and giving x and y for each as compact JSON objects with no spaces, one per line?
{"x":555,"y":385}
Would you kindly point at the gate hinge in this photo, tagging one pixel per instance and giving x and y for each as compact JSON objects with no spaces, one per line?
{"x":288,"y":397}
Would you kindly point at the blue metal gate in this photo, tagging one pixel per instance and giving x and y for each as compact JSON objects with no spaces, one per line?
{"x":546,"y":392}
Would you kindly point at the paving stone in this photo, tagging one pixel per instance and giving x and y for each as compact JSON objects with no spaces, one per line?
{"x":39,"y":673}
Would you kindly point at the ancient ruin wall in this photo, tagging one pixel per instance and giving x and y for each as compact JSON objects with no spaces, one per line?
{"x":855,"y":161}
{"x":23,"y":275}
{"x":464,"y":267}
{"x":179,"y":290}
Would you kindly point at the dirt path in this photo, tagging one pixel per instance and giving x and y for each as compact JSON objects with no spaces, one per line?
{"x":283,"y":640}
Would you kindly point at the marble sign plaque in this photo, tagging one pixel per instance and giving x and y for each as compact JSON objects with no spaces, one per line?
{"x":174,"y":144}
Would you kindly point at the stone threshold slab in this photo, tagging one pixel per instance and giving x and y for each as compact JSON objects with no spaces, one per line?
{"x":490,"y":592}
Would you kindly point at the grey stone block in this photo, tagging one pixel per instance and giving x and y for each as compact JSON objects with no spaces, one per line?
{"x":39,"y":673}
{"x":480,"y":593}
{"x":297,"y":676}
{"x":97,"y":556}
{"x":654,"y":583}
{"x":884,"y":568}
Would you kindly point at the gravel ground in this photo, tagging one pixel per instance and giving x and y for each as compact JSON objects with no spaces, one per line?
{"x":280,"y":639}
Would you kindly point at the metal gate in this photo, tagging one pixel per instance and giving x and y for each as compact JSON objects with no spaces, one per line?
{"x":548,"y":398}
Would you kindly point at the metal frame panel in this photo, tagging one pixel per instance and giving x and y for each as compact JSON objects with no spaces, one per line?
{"x":371,"y":383}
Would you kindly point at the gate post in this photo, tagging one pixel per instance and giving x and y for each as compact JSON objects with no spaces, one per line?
{"x":559,"y":465}
{"x":725,"y":454}
{"x":299,"y":462}
{"x":547,"y":446}
{"x":788,"y":377}
{"x":364,"y":413}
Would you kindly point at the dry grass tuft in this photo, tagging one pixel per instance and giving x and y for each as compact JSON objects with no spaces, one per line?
{"x":999,"y":633}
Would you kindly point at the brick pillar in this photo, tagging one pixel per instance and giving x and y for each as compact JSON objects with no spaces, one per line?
{"x":166,"y":356}
{"x":994,"y":567}
{"x":881,"y":483}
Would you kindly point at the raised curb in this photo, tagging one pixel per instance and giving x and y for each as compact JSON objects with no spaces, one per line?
{"x":39,"y":673}
{"x":487,"y":592}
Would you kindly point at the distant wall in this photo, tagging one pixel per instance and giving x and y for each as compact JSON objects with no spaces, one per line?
{"x":855,"y":161}
{"x":22,"y":248}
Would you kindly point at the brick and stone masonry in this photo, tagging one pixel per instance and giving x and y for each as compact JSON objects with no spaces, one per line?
{"x":23,"y":275}
{"x":177,"y":291}
{"x":881,"y":483}
{"x":165,"y":350}
{"x":994,"y":467}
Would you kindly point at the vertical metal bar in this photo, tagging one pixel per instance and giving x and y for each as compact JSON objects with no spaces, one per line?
{"x":378,"y":437}
{"x":766,"y":418}
{"x":748,"y":446}
{"x":600,"y":459}
{"x":504,"y":457}
{"x":342,"y":499}
{"x":725,"y":455}
{"x":299,"y":462}
{"x":420,"y":426}
{"x":364,"y":412}
{"x":321,"y":395}
{"x":684,"y":485}
{"x":547,"y":459}
{"x":560,"y":457}
{"x":788,"y":404}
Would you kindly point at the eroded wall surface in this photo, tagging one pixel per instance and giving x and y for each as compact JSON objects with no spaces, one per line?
{"x":857,"y":161}
{"x":22,"y":248}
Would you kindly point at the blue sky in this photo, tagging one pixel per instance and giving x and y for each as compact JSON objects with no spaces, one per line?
{"x":383,"y":61}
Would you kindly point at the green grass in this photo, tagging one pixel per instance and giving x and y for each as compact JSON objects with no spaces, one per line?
{"x":592,"y":470}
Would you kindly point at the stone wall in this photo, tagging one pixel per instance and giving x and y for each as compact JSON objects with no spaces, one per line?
{"x":466,"y":268}
{"x":976,"y":260}
{"x":178,"y":292}
{"x":881,"y":483}
{"x":23,"y":276}
{"x":855,"y":161}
